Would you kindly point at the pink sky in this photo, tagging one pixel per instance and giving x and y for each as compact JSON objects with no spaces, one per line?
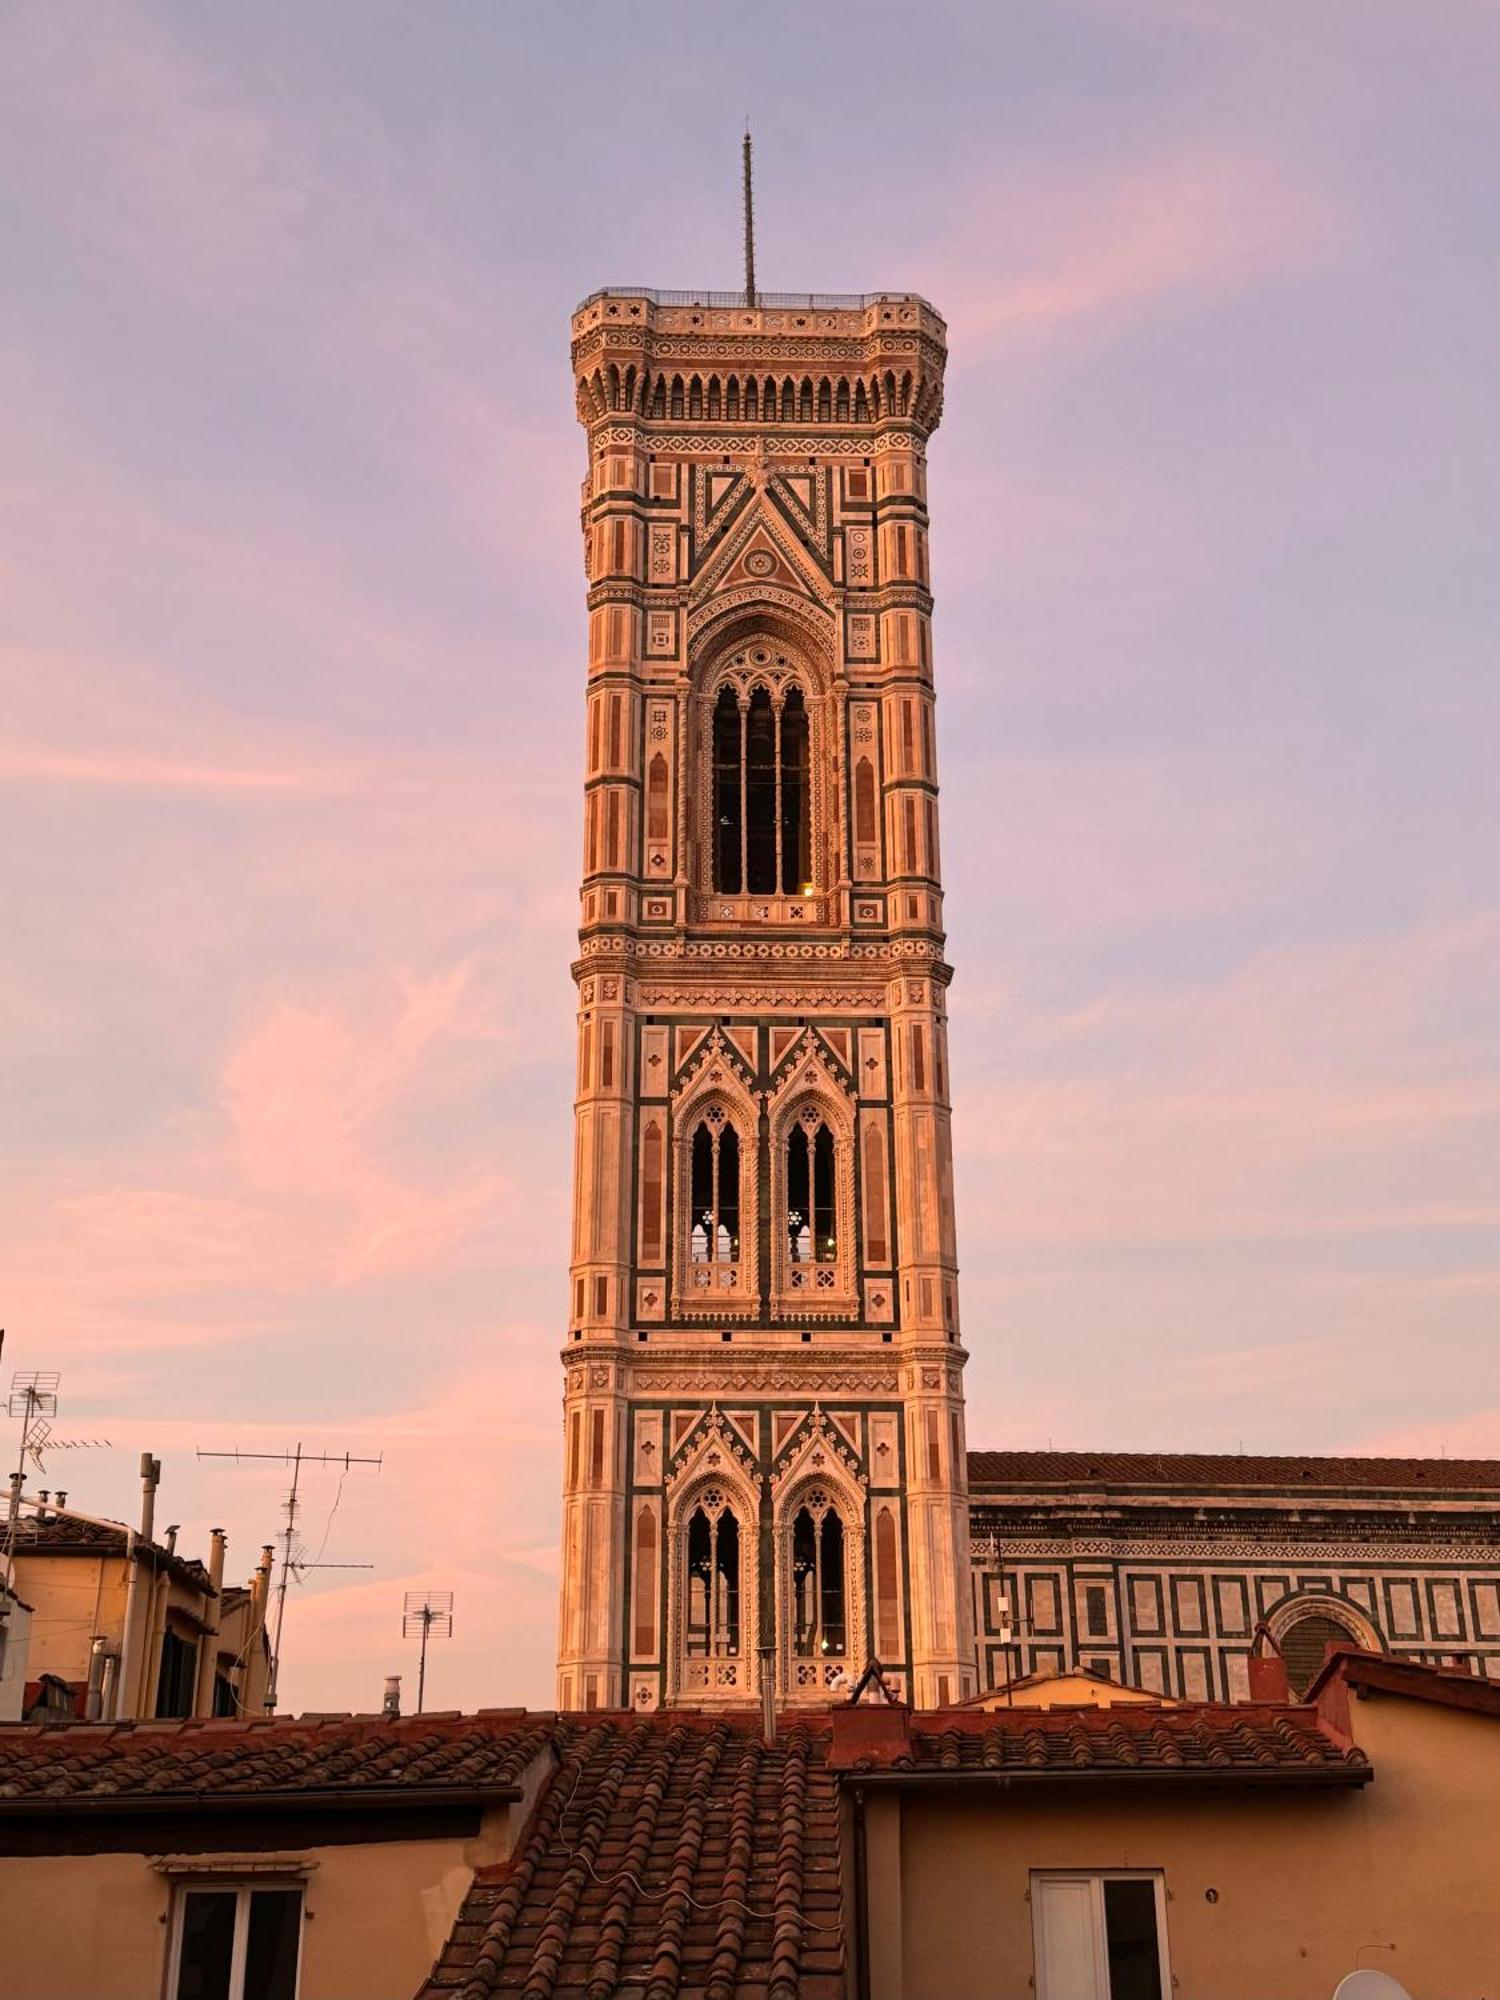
{"x":291,"y":648}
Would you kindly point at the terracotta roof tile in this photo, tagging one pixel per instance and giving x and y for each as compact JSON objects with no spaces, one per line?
{"x":672,"y":1854}
{"x":1257,"y":1741}
{"x":1214,"y":1471}
{"x":159,"y":1761}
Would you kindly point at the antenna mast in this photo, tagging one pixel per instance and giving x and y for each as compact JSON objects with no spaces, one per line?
{"x":424,"y":1610}
{"x":750,"y":297}
{"x":296,"y":1459}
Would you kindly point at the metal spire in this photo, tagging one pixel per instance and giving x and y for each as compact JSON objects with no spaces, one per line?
{"x":749,"y":225}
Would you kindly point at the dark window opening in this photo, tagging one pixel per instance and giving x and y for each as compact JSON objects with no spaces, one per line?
{"x":1130,"y":1935}
{"x":762,"y":837}
{"x":818,"y":1584}
{"x":810,"y":1226}
{"x":176,"y":1682}
{"x":715,"y":1194}
{"x":713,"y":1581}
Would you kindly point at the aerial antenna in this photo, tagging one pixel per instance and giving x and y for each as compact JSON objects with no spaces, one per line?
{"x":422,"y":1611}
{"x":750,"y":298}
{"x":291,"y":1560}
{"x":33,"y":1398}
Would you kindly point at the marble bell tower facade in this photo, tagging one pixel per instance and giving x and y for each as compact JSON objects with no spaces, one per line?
{"x":764,"y":1454}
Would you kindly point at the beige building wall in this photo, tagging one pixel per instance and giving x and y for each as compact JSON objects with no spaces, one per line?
{"x":98,"y":1927}
{"x":1307,"y":1883}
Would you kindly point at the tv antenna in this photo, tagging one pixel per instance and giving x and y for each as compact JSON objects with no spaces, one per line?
{"x":426,"y":1610}
{"x":296,"y":1458}
{"x":33,"y":1398}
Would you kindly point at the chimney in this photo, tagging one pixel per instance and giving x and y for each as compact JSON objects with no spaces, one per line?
{"x":260,"y":1583}
{"x":208,"y":1646}
{"x":392,"y":1704}
{"x":171,"y":1539}
{"x":93,"y":1706}
{"x":150,"y":1480}
{"x":60,"y":1503}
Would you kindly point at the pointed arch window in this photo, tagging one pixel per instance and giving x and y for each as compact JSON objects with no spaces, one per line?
{"x":762,"y":836}
{"x":811,"y":1192}
{"x":713,"y":1580}
{"x":819,"y":1627}
{"x":715,"y":1220}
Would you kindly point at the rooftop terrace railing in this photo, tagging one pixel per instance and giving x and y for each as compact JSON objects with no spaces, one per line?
{"x":774,"y":301}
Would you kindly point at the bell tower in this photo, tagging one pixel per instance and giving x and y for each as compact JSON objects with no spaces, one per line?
{"x":764,"y":1470}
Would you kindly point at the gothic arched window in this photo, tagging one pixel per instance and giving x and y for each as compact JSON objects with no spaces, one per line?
{"x":714,"y":1227}
{"x":818,"y":1581}
{"x":811,"y":1190}
{"x":762,"y":837}
{"x":713,"y":1580}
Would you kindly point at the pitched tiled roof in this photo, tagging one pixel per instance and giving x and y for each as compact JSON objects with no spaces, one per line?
{"x":1213,"y":1471}
{"x":60,"y":1534}
{"x":1277,"y":1744}
{"x":1380,"y":1673}
{"x":157,"y":1763}
{"x":671,"y":1854}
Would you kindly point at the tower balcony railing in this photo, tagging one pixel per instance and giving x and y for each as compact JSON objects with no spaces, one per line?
{"x":762,"y":301}
{"x":723,"y":1677}
{"x":817,"y":1275}
{"x":806,"y":909}
{"x":716,"y":1274}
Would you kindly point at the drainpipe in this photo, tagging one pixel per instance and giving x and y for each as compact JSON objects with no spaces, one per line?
{"x":208,"y":1643}
{"x":767,"y":1612}
{"x":130,"y":1643}
{"x":861,"y":1899}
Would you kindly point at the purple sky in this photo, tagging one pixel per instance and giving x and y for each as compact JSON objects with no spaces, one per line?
{"x":291,"y":662}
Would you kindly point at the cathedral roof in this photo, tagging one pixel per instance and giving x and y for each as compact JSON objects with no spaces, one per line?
{"x":1209,"y":1471}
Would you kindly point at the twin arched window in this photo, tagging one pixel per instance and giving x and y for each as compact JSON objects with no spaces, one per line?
{"x":762,"y":836}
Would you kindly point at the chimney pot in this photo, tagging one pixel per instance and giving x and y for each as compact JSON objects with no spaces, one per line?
{"x":171,"y":1539}
{"x":62,"y":1498}
{"x":392,"y":1704}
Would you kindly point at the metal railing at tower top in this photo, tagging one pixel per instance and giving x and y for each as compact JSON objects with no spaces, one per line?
{"x":764,"y":301}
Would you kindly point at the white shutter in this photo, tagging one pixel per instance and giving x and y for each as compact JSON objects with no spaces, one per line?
{"x":1068,"y":1919}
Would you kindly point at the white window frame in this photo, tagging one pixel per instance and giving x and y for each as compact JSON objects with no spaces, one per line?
{"x":242,"y":1887}
{"x":1096,"y":1878}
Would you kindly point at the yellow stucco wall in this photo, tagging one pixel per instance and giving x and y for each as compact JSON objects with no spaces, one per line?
{"x":91,"y":1927}
{"x":1303,"y":1880}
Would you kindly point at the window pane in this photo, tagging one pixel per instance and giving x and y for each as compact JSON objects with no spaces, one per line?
{"x":207,"y":1944}
{"x":728,"y":1240}
{"x":795,"y":869}
{"x":833,"y":1584}
{"x":798,"y":1198}
{"x":1130,"y":1927}
{"x":727,"y":795}
{"x":760,"y":795}
{"x":271,"y":1949}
